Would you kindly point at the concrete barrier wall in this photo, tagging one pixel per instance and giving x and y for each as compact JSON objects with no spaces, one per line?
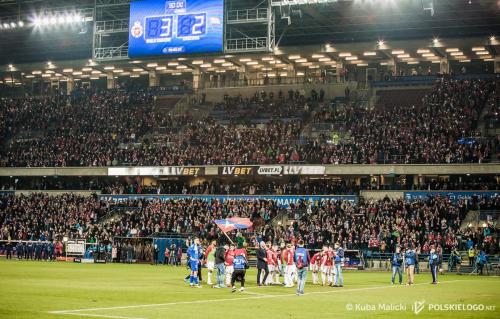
{"x":331,"y":90}
{"x":335,"y":170}
{"x":51,"y":171}
{"x":58,"y":192}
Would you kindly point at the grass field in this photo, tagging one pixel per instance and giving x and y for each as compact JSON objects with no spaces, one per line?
{"x":67,"y":290}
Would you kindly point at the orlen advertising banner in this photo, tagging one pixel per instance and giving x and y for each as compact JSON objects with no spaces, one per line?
{"x":452,"y":195}
{"x":281,"y":200}
{"x":157,"y":171}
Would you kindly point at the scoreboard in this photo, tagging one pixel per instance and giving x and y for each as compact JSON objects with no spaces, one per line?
{"x":166,"y":27}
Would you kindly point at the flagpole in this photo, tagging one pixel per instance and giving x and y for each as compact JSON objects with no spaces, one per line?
{"x":228,"y":237}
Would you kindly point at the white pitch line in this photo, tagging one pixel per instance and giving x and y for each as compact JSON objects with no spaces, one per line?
{"x":98,"y":316}
{"x":338,"y":290}
{"x":255,"y":293}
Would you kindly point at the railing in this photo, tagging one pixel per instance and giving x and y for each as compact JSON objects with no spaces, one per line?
{"x":111,"y":53}
{"x":170,"y":90}
{"x":247,"y":44}
{"x":170,"y":235}
{"x":112,"y":26}
{"x":108,"y":3}
{"x":428,"y":79}
{"x":246,"y":16}
{"x":327,"y":126}
{"x":180,"y":89}
{"x":299,"y":80}
{"x":376,"y":255}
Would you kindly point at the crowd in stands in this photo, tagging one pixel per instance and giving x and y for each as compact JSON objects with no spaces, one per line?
{"x":242,"y":186}
{"x":372,"y":224}
{"x":381,"y":225}
{"x":426,"y":133}
{"x":41,"y":217}
{"x":111,"y":128}
{"x":492,"y":108}
{"x":78,"y":131}
{"x":472,"y":183}
{"x":250,"y":188}
{"x":264,"y":106}
{"x":209,"y":143}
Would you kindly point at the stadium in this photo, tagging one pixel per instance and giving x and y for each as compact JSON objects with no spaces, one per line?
{"x":250,"y":158}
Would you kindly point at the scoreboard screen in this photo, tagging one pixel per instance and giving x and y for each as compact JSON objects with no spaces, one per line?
{"x":166,"y":27}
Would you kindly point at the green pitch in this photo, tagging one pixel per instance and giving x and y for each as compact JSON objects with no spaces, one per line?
{"x":67,"y":290}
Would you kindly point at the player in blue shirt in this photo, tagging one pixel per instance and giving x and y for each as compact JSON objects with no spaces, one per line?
{"x":194,"y":259}
{"x":240,"y":265}
{"x":433,"y":265}
{"x":195,"y":254}
{"x":397,"y":264}
{"x":410,"y":261}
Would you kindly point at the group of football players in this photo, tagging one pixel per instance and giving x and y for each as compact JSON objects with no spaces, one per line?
{"x":281,"y":261}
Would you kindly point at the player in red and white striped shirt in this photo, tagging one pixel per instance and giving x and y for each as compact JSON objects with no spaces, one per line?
{"x":271,"y":265}
{"x":276,"y":259}
{"x":315,"y":261}
{"x":289,"y":268}
{"x":326,"y":267}
{"x":229,"y":258}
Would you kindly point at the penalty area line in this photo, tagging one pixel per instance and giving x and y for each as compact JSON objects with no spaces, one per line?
{"x":96,"y":315}
{"x":260,"y":296}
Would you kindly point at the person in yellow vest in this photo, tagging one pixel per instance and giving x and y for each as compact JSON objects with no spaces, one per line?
{"x":472,"y":254}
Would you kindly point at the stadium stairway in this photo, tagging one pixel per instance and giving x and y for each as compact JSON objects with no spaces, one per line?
{"x":115,"y":212}
{"x":471,"y":219}
{"x":400,"y":97}
{"x":168,"y":104}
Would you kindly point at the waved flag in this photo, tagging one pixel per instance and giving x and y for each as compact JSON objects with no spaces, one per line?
{"x":233,"y":223}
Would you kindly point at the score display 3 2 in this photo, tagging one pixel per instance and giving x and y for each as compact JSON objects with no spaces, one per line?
{"x":159,"y":27}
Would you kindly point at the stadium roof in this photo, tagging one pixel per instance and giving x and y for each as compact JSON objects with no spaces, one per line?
{"x":286,"y":59}
{"x":346,"y":21}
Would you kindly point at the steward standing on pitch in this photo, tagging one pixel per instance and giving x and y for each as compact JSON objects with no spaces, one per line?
{"x":397,"y":263}
{"x":339,"y":260}
{"x":433,"y":265}
{"x":410,"y":265}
